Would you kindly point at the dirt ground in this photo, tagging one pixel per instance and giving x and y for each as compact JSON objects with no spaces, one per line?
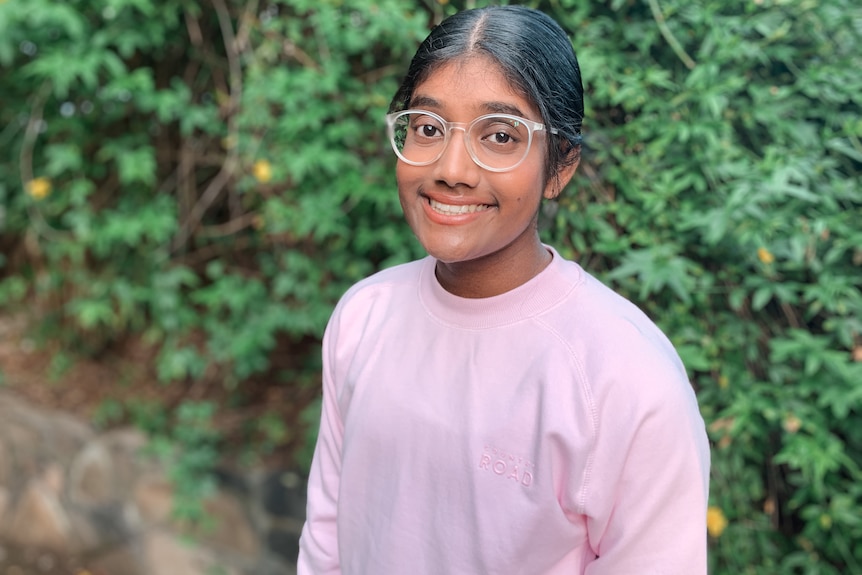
{"x":51,"y":377}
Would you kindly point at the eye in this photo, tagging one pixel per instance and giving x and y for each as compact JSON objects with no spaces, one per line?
{"x":503,"y":133}
{"x":428,"y":131}
{"x":425,"y":127}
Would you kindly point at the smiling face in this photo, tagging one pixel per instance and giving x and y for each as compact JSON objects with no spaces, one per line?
{"x":460,"y":212}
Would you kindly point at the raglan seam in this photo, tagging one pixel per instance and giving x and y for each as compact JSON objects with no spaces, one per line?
{"x":586,"y":391}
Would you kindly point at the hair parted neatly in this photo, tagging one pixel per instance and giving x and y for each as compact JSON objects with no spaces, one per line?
{"x":532,"y":51}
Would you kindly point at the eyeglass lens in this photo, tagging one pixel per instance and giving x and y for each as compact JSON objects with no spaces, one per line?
{"x":497,"y":142}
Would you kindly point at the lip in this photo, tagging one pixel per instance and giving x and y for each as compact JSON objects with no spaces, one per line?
{"x":448,"y":211}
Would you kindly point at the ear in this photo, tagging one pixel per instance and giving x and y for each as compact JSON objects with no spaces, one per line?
{"x":556,"y":183}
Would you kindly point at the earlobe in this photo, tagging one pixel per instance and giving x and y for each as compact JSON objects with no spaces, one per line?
{"x":556,"y":184}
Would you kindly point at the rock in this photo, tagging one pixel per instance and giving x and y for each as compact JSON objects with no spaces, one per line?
{"x":83,"y":502}
{"x":231,"y":532}
{"x":284,"y":543}
{"x":39,"y":519}
{"x":154,"y":499}
{"x":284,"y":494}
{"x":167,"y":555}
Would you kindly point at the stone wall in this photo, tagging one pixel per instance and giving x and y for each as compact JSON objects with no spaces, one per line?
{"x":77,"y":502}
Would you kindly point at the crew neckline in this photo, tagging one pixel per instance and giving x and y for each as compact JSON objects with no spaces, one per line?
{"x":543,"y":291}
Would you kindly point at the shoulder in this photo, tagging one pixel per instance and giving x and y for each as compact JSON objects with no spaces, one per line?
{"x":593,"y":308}
{"x":633,"y":379}
{"x":398,"y":279}
{"x":374,"y":298}
{"x":616,"y":319}
{"x":617,"y":346}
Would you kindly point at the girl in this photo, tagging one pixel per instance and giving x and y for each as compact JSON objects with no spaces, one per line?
{"x":492,"y":408}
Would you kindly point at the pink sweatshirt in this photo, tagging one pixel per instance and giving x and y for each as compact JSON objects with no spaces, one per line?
{"x":550,"y":430}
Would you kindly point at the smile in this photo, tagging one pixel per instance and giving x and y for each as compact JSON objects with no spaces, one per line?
{"x":450,"y":210}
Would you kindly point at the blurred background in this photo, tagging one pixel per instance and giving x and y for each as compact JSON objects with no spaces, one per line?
{"x":188,"y":186}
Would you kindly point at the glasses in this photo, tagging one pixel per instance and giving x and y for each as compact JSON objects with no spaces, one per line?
{"x":496,"y":142}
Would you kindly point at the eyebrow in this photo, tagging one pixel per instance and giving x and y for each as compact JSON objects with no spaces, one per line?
{"x":490,"y":107}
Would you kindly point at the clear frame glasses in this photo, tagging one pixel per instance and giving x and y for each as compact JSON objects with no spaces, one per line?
{"x":496,"y":142}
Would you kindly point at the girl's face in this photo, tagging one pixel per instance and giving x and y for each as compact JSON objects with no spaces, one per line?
{"x":500,"y":218}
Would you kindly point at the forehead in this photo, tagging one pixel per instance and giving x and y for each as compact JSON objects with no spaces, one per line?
{"x":463,"y":89}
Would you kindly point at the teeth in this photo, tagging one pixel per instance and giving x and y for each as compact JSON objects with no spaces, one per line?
{"x":456,"y":210}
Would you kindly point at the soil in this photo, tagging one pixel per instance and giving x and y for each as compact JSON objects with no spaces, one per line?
{"x":50,"y":376}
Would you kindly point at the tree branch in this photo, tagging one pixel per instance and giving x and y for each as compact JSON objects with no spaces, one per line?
{"x":669,"y":37}
{"x":231,"y":161}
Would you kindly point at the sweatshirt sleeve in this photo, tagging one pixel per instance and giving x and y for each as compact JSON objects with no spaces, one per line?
{"x":318,"y":544}
{"x":647,"y":492}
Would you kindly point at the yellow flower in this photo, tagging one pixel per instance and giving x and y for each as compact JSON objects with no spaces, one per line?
{"x":39,"y":188}
{"x":262,"y":171}
{"x":723,"y":382}
{"x":792,"y":424}
{"x":765,"y":256}
{"x":716,"y":522}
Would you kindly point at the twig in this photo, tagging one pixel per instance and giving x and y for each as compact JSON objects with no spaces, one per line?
{"x":206,"y":200}
{"x":214,"y":250}
{"x":374,"y":76}
{"x":229,"y":228}
{"x":10,"y":130}
{"x":668,"y":35}
{"x":791,"y":316}
{"x":291,"y":50}
{"x":194,"y":29}
{"x":25,"y":164}
{"x":232,"y":160}
{"x":245,"y":24}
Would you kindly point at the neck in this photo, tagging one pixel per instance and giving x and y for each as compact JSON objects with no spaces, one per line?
{"x":493,"y":274}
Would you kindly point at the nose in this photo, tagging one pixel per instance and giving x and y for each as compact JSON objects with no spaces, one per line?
{"x":456,"y":166}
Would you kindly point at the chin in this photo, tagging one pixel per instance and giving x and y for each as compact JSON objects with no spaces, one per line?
{"x":450,"y":255}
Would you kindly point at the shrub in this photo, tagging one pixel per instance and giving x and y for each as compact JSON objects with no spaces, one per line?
{"x":213,"y":176}
{"x":178,"y":170}
{"x":722,"y":194}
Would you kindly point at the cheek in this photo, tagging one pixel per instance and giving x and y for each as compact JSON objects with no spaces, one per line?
{"x":527,"y":188}
{"x":410,"y":180}
{"x":407,"y":184}
{"x":405,"y":176}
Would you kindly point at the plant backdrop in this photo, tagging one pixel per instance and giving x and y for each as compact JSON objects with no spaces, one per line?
{"x":212,"y":174}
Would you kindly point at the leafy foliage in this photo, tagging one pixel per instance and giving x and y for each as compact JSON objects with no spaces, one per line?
{"x":724,"y":196}
{"x":213,"y":175}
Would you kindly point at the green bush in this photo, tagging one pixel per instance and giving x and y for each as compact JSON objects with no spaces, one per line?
{"x":194,"y":171}
{"x":722,"y":193}
{"x":213,"y":175}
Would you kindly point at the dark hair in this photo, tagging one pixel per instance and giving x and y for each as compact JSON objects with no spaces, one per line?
{"x":535,"y":55}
